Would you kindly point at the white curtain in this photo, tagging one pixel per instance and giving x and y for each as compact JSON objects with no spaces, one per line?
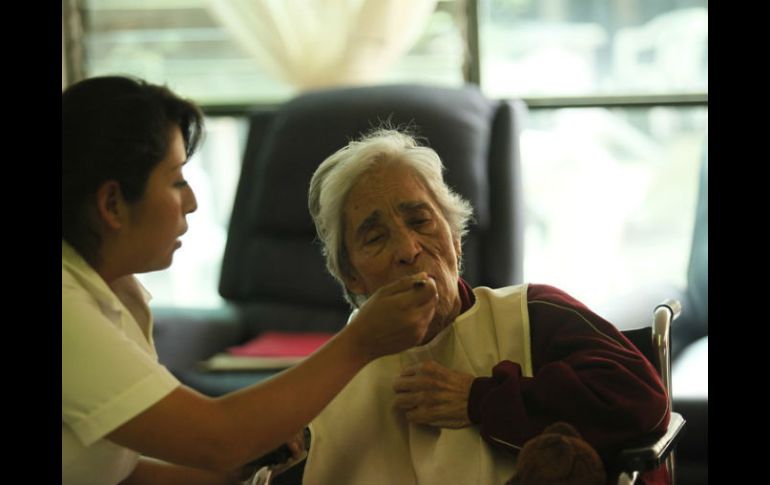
{"x":318,"y":43}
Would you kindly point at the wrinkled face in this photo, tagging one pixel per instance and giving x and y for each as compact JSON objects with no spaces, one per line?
{"x":158,"y":219}
{"x":394,"y":228}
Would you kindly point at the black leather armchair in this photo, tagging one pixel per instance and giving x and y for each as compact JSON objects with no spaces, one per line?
{"x":273,"y":273}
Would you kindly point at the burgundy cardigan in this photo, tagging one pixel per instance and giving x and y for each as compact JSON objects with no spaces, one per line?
{"x":585,"y":372}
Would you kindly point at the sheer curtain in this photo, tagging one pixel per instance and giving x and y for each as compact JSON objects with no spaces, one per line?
{"x":318,"y":43}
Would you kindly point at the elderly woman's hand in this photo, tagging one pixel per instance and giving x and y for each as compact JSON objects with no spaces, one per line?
{"x":396,"y":317}
{"x":432,"y":394}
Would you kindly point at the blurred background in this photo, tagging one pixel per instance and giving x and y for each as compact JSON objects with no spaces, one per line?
{"x":612,"y":152}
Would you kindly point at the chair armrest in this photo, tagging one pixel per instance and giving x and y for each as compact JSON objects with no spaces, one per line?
{"x":183,"y":337}
{"x":653,"y":455}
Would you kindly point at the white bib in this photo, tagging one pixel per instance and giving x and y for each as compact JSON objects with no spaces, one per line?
{"x":361,"y":439}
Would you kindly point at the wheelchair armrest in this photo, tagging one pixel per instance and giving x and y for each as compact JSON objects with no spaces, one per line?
{"x":653,"y":455}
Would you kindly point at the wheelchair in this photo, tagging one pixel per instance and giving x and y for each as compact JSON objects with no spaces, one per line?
{"x":652,"y":341}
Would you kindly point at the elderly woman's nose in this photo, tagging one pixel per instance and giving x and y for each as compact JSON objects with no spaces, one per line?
{"x":407,"y":246}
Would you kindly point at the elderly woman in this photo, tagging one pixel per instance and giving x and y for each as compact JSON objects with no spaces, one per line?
{"x":496,"y":367}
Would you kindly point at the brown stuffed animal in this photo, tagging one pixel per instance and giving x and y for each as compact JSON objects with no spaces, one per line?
{"x":558,"y":456}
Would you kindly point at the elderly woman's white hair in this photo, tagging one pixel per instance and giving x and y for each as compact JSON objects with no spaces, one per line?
{"x":334,"y":178}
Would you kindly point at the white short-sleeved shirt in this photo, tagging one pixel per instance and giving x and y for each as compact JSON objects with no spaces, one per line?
{"x":110,"y":370}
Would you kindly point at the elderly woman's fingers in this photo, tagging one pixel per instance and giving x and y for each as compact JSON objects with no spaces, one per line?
{"x":432,"y":394}
{"x":415,"y":383}
{"x":410,"y":370}
{"x":404,"y":384}
{"x":405,"y":401}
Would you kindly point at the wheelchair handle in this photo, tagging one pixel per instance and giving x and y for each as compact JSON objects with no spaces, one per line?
{"x":674,"y":306}
{"x":664,"y":314}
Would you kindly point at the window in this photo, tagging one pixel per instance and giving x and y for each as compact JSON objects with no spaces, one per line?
{"x":610,"y":197}
{"x":553,"y":48}
{"x":182,"y":43}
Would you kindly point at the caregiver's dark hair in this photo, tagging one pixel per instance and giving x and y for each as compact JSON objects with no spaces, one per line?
{"x":115,"y":128}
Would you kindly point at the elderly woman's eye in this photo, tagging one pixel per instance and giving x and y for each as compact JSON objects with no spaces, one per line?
{"x":373,"y":239}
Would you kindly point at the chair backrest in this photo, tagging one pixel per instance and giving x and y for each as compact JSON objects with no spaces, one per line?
{"x":273,"y":270}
